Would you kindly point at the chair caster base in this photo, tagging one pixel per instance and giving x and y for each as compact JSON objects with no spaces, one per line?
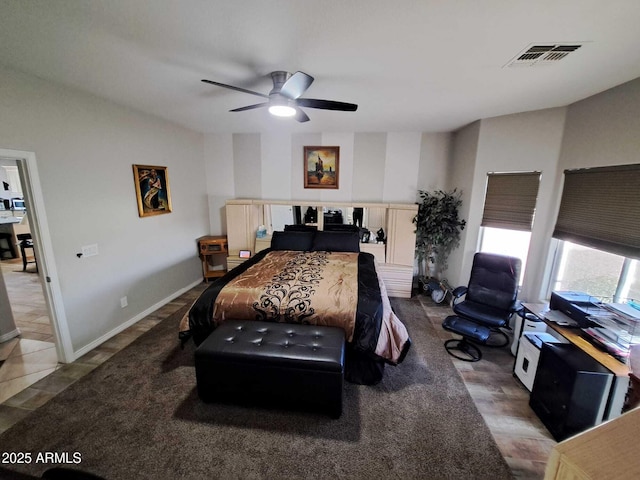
{"x":463,"y":350}
{"x":497,"y":339}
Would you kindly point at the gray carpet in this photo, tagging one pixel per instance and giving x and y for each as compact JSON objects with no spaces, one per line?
{"x":138,"y":416}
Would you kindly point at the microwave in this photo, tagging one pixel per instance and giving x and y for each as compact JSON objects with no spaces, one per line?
{"x":18,"y":204}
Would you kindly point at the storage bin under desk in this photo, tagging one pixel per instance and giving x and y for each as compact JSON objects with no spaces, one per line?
{"x":529,"y":354}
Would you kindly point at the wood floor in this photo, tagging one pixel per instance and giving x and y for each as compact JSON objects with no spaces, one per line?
{"x":499,"y":397}
{"x":503,"y":402}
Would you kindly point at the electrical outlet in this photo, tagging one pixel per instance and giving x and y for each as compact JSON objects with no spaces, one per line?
{"x":90,"y":250}
{"x":123,"y":302}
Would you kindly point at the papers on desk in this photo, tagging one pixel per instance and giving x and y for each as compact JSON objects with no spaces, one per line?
{"x":616,"y":328}
{"x":560,"y":319}
{"x":600,"y":337}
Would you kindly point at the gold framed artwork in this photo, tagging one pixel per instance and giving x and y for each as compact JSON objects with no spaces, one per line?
{"x":321,"y":167}
{"x":152,"y":190}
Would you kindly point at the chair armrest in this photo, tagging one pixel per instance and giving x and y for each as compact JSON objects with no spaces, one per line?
{"x":459,"y":291}
{"x":517,"y":308}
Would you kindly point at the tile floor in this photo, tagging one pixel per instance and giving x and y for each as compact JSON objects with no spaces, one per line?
{"x":500,"y":398}
{"x":32,"y":356}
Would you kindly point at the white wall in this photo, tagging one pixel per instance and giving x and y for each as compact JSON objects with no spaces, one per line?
{"x":7,"y":323}
{"x":598,"y":131}
{"x":603,"y":129}
{"x":461,"y":175}
{"x":522,"y":142}
{"x":85,"y":148}
{"x":374,"y":167}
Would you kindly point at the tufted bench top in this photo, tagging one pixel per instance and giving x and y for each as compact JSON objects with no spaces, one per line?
{"x":276,"y":344}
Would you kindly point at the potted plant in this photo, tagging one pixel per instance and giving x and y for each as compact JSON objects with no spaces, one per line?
{"x":438,"y":228}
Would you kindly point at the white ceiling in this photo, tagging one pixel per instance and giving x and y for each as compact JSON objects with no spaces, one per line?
{"x":410,"y":65}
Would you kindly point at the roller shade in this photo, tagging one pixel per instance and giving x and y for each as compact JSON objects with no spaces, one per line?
{"x":510,"y":200}
{"x":600,"y":208}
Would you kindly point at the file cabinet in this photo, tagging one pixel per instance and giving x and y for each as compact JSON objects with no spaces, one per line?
{"x":570,"y":390}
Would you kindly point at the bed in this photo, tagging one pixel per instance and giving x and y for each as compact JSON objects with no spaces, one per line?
{"x":318,"y":278}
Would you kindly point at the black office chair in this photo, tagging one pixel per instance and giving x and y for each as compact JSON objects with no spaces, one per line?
{"x":490,"y":299}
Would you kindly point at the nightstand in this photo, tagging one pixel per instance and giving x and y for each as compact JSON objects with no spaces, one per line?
{"x":234,"y":261}
{"x":213,"y":249}
{"x":263,"y":243}
{"x":378,"y":250}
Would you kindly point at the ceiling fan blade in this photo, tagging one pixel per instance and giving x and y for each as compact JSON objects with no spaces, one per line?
{"x":327,"y":104}
{"x":301,"y":116}
{"x":250,"y":107}
{"x":296,"y":85}
{"x":243,"y":90}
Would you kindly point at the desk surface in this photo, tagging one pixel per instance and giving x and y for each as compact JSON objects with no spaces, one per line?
{"x":573,"y":336}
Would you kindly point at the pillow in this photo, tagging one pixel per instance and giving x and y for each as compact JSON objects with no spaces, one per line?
{"x":299,"y":241}
{"x":300,"y":228}
{"x":336,"y":241}
{"x":339,"y":227}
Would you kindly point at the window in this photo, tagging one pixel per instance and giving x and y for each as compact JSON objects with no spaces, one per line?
{"x":514,"y":243}
{"x":509,"y":208}
{"x":604,"y":275}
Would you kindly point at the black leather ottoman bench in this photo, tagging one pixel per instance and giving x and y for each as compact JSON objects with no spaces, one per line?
{"x":273,"y":364}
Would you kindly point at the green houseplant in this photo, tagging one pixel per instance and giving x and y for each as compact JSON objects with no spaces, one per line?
{"x":438,"y":228}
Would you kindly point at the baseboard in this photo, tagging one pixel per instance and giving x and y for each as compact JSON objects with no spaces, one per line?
{"x":8,"y":336}
{"x":87,"y":348}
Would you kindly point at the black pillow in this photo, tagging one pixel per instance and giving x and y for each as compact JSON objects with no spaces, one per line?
{"x":300,"y":228}
{"x":298,"y":241}
{"x":339,"y":227}
{"x":336,"y":242}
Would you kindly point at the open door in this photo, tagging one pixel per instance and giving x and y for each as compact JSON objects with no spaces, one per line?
{"x":32,"y":191}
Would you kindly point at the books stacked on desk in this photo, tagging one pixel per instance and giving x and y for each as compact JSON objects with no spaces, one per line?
{"x":617,"y":327}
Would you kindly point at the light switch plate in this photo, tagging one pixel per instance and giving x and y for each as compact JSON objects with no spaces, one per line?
{"x":90,"y":250}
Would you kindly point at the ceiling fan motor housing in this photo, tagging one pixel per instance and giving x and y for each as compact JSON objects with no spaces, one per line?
{"x":278,"y":79}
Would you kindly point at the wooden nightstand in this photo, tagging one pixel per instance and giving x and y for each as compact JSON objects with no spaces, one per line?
{"x":213,"y":249}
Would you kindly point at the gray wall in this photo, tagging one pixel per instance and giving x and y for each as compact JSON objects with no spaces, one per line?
{"x":85,"y":148}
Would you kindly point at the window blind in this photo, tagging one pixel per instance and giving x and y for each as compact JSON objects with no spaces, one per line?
{"x":600,"y":208}
{"x":510,"y":200}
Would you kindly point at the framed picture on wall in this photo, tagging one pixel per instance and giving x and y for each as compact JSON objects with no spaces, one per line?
{"x":152,"y":190}
{"x":321,"y":167}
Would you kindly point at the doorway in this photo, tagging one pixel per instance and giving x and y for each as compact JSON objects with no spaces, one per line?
{"x":43,"y":251}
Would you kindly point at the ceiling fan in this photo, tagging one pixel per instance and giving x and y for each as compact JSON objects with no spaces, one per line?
{"x":284,"y":97}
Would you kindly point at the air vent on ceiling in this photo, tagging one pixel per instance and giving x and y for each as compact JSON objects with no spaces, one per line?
{"x":542,"y":54}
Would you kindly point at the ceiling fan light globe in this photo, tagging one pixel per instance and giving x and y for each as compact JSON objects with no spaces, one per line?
{"x":282,"y":110}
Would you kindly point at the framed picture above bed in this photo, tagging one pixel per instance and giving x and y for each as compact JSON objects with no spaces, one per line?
{"x":152,"y":190}
{"x":321,"y":167}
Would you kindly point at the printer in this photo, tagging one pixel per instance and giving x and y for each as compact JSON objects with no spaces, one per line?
{"x":575,"y":305}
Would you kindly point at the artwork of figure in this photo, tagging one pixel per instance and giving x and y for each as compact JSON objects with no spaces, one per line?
{"x":152,"y":190}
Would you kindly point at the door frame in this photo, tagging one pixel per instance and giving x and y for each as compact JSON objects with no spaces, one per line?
{"x":32,"y":191}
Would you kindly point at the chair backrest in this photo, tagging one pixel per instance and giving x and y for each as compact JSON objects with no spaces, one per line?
{"x":494,"y":280}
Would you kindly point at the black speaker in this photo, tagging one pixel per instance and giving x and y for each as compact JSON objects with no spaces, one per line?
{"x":570,"y":390}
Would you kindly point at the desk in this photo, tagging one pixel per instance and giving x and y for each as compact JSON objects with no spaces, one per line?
{"x":620,"y":371}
